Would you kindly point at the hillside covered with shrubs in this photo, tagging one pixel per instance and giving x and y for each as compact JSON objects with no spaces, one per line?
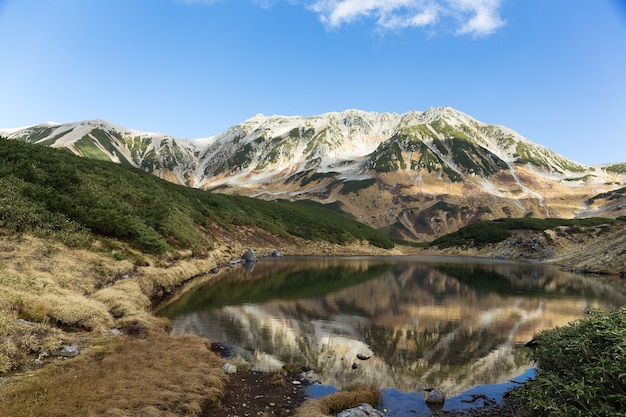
{"x":52,"y":193}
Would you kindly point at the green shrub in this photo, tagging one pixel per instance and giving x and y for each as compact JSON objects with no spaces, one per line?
{"x":53,"y":192}
{"x":581,"y":368}
{"x":609,"y":195}
{"x":388,"y":157}
{"x":617,"y":168}
{"x":357,"y":185}
{"x":483,"y":232}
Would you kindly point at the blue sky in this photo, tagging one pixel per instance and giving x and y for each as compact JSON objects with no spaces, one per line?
{"x":553,"y":70}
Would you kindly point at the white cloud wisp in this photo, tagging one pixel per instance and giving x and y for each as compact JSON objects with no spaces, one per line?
{"x":473,"y":17}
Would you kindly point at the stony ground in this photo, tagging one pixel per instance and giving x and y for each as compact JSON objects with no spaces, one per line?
{"x":253,"y":393}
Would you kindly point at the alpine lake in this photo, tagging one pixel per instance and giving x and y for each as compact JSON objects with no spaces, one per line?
{"x":457,"y":324}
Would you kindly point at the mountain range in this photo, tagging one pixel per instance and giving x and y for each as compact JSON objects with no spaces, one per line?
{"x":416,"y":175}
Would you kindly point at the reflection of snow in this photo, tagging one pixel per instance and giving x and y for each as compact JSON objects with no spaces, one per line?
{"x":429,"y":328}
{"x":266,"y":362}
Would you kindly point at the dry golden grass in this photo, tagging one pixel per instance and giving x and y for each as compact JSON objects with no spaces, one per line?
{"x":45,"y":285}
{"x":332,"y":404}
{"x":155,"y":376}
{"x":22,"y":340}
{"x":129,"y":306}
{"x":52,"y":286}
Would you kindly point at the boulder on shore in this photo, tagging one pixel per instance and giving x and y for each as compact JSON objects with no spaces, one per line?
{"x":362,"y":410}
{"x":249,"y":256}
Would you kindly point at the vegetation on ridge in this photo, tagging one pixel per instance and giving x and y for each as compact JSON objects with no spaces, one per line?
{"x":53,"y":193}
{"x":484,"y":232}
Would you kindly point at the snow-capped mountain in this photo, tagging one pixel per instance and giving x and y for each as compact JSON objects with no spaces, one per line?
{"x":418,"y":174}
{"x":163,"y":155}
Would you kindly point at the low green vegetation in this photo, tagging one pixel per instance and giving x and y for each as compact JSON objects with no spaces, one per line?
{"x":617,"y":168}
{"x":105,"y":141}
{"x":53,"y":193}
{"x":427,"y":160}
{"x":449,"y":131}
{"x":569,"y":165}
{"x":388,"y":157}
{"x":609,"y":195}
{"x":583,"y":178}
{"x":357,"y":185}
{"x":243,"y":157}
{"x":304,"y":133}
{"x":40,"y":133}
{"x":52,"y":140}
{"x":138,"y":147}
{"x":334,"y":206}
{"x":440,"y":146}
{"x":581,"y":368}
{"x":484,"y":232}
{"x":446,"y":207}
{"x":464,"y":153}
{"x":316,"y":176}
{"x":526,"y":155}
{"x":88,"y":148}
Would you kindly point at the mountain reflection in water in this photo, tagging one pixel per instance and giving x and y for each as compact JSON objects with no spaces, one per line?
{"x":453,"y":323}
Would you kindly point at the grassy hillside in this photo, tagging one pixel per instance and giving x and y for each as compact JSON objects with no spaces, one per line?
{"x":484,"y":232}
{"x":53,"y":193}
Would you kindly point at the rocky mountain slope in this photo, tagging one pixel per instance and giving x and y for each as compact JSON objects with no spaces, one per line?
{"x":417,"y":175}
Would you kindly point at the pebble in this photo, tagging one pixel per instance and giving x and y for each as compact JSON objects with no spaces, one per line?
{"x":229,"y":368}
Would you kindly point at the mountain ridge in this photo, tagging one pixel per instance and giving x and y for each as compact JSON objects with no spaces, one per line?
{"x":391,"y":171}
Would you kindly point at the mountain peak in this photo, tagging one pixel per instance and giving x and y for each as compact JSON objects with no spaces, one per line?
{"x":424,"y":173}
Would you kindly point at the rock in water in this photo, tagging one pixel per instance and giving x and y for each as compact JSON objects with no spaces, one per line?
{"x":435,"y":396}
{"x":249,"y":256}
{"x":362,"y":410}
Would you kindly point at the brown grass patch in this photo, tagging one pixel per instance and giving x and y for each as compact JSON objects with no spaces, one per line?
{"x":21,"y":342}
{"x":156,"y":376}
{"x":332,"y":404}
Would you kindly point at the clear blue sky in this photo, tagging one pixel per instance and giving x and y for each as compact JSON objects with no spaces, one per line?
{"x":553,"y":70}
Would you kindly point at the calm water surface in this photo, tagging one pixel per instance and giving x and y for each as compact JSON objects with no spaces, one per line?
{"x":453,"y":323}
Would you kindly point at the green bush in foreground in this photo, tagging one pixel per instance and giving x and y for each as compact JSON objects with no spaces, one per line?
{"x":582,"y":368}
